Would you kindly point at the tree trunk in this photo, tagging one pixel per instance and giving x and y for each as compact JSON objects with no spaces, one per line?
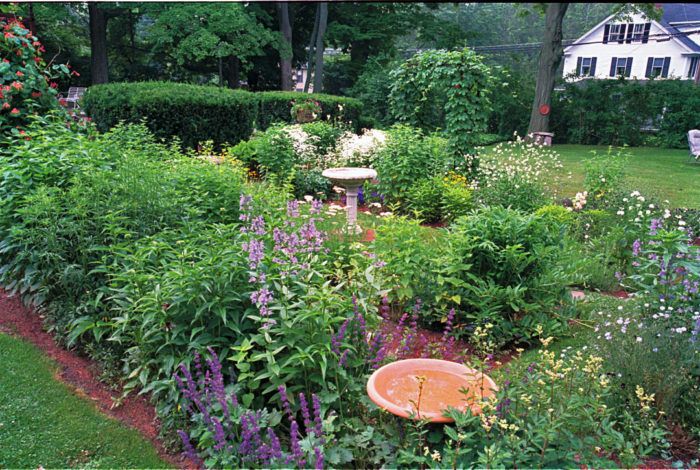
{"x":312,"y":42}
{"x":286,"y":56}
{"x":233,"y":69}
{"x":318,"y":68}
{"x":550,"y":58}
{"x":98,"y":44}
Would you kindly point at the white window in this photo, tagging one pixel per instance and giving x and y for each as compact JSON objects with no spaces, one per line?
{"x":586,"y":66}
{"x":657,"y":67}
{"x":693,"y":67}
{"x":615,"y":32}
{"x":621,"y":67}
{"x":638,"y":32}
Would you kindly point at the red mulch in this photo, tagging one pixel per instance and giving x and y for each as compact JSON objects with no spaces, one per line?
{"x":81,"y":374}
{"x":620,"y":294}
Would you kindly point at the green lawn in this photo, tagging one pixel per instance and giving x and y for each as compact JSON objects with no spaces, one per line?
{"x":666,"y":171}
{"x":43,"y":424}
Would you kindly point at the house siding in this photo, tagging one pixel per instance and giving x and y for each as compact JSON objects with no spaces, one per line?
{"x":640,"y":52}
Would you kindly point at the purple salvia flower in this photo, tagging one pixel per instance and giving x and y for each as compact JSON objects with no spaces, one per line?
{"x":282,"y":390}
{"x":275,"y":447}
{"x":343,"y":358}
{"x":316,"y":206}
{"x":656,"y":224}
{"x":189,"y":449}
{"x":293,"y":209}
{"x":305,"y":412}
{"x":219,"y":434}
{"x":319,"y":458}
{"x":297,"y":453}
{"x":318,"y":422}
{"x":217,"y":382}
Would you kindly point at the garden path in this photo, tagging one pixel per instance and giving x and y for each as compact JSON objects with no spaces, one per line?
{"x":81,"y":375}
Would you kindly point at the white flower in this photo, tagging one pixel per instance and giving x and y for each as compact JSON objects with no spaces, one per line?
{"x":338,"y":189}
{"x":639,"y":339}
{"x":681,"y":329}
{"x":308,"y":198}
{"x":620,"y":212}
{"x":385,"y":214}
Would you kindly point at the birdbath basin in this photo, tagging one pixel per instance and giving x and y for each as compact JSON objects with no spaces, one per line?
{"x":351,"y":179}
{"x":395,"y":388}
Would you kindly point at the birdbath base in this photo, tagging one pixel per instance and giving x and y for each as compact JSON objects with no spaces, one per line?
{"x":351,"y":179}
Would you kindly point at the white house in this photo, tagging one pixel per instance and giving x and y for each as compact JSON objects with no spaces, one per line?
{"x":640,"y":47}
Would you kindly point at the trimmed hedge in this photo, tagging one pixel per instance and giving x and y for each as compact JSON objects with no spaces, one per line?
{"x":197,"y":113}
{"x":616,"y":112}
{"x":192,"y":113}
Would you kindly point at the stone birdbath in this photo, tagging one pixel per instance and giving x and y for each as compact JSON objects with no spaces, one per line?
{"x":351,"y":179}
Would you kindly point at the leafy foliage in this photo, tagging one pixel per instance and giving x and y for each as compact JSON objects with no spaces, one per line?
{"x":626,"y":112}
{"x":457,"y":79}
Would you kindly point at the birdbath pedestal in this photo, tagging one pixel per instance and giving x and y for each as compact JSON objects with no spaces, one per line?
{"x":351,"y":179}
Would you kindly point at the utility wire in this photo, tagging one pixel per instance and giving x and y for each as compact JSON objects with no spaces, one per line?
{"x":533,"y":46}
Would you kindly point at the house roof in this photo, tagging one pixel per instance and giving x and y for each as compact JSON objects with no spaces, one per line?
{"x":672,"y":13}
{"x":679,"y":12}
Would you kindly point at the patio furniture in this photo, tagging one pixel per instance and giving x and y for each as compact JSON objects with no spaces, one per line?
{"x":694,"y":144}
{"x":75,"y":93}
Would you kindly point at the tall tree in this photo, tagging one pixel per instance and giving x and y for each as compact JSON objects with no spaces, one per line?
{"x":312,"y":45}
{"x":286,"y":49}
{"x":320,"y":36}
{"x":208,"y":37}
{"x":98,"y":44}
{"x":550,"y":58}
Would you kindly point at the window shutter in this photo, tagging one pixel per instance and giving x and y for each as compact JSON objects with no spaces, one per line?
{"x":645,"y":36}
{"x":630,"y":31}
{"x":578,"y":66}
{"x":593,"y":62}
{"x":622,"y":34}
{"x":650,"y":61}
{"x":606,"y":34}
{"x":628,"y":67}
{"x":667,"y":64}
{"x":613,"y":66}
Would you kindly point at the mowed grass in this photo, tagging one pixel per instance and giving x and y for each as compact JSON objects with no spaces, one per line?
{"x":666,"y":172}
{"x":43,"y":424}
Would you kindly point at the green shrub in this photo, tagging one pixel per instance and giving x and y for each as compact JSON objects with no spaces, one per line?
{"x":516,"y":192}
{"x":89,"y":194}
{"x":410,"y":253}
{"x":270,"y":151}
{"x":275,"y":106}
{"x":500,"y":265}
{"x":614,"y":112}
{"x":558,"y":214}
{"x":407,"y":158}
{"x":190,"y":112}
{"x":440,"y":198}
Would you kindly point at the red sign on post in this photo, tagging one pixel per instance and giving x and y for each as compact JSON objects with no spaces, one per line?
{"x":544,"y":109}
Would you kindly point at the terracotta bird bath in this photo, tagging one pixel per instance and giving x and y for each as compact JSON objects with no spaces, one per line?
{"x":351,"y":179}
{"x":425,"y":388}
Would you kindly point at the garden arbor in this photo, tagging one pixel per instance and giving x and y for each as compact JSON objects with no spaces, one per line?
{"x":460,"y":80}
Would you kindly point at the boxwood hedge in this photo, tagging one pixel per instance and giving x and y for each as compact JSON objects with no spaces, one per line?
{"x":198,"y":113}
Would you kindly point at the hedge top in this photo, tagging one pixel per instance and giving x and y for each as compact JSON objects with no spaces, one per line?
{"x":197,"y":113}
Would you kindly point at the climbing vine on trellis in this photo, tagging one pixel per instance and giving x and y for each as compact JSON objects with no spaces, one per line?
{"x":456,"y":80}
